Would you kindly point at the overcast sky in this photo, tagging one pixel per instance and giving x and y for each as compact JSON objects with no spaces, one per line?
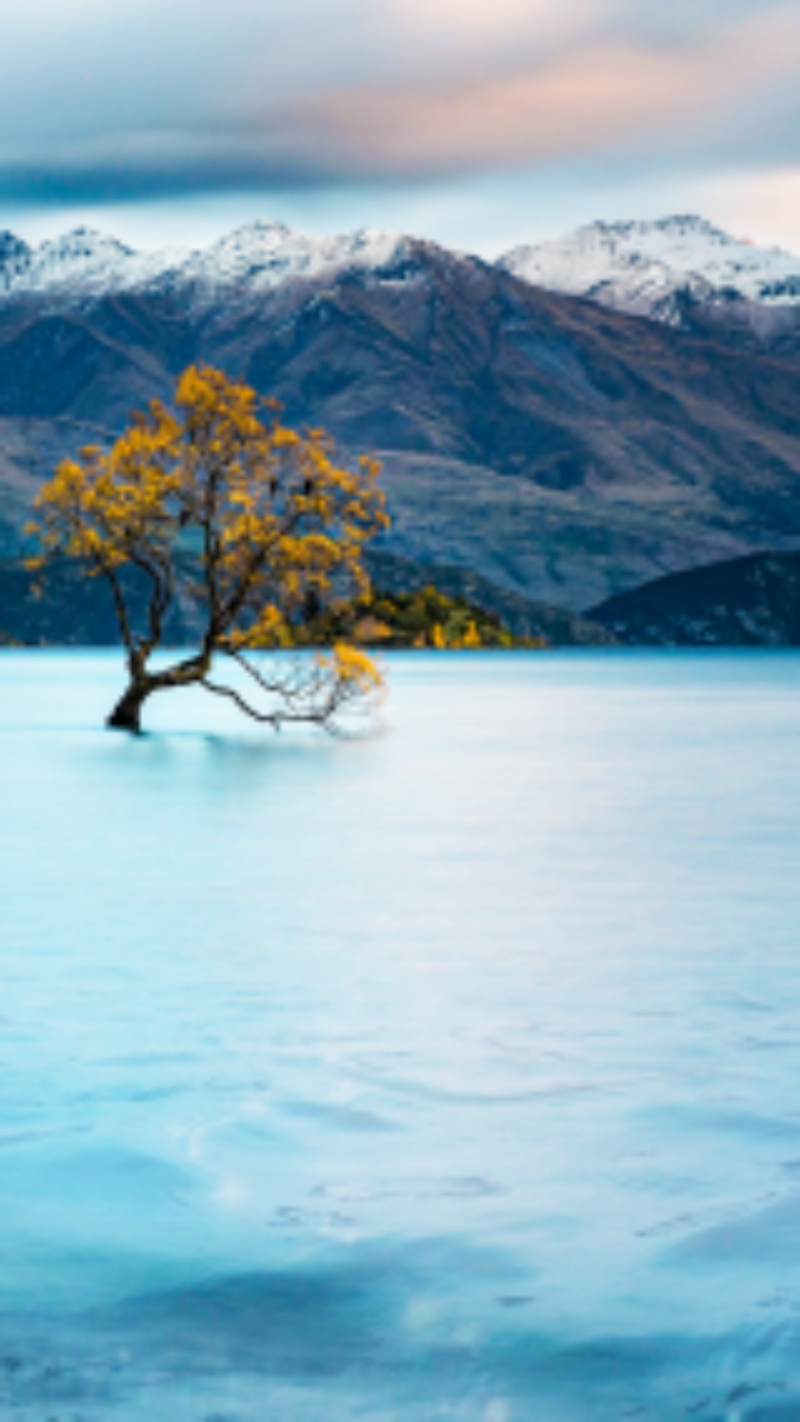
{"x":483,"y":123}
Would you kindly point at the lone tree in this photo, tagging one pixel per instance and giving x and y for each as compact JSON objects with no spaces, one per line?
{"x":261,"y":520}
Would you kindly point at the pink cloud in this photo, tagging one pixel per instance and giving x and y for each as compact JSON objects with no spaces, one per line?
{"x":579,"y":103}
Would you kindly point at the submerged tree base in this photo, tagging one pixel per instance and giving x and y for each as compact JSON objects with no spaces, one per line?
{"x":127,"y":714}
{"x":318,"y":689}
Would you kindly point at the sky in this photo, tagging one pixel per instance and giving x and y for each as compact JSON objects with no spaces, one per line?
{"x":479,"y":123}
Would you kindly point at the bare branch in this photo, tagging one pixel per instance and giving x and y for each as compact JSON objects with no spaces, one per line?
{"x":243,"y":705}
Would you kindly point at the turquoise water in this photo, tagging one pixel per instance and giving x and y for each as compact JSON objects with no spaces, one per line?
{"x":452,"y":1073}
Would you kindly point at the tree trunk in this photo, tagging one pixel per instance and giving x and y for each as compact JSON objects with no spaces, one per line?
{"x":127,"y":714}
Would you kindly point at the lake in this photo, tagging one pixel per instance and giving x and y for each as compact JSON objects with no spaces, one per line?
{"x":449,"y":1073}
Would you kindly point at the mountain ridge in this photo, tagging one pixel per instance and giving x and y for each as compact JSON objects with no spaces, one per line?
{"x":631,"y":265}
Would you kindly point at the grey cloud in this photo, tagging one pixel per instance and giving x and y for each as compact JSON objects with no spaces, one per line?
{"x":144,"y":178}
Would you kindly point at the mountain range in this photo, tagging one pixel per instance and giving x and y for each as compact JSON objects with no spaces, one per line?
{"x":664,"y":270}
{"x":567,"y":444}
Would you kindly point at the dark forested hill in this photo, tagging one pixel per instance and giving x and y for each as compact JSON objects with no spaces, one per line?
{"x":743,"y":602}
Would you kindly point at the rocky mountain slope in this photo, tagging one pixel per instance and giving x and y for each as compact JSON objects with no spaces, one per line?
{"x":562,"y":450}
{"x":680,"y":270}
{"x":743,"y":602}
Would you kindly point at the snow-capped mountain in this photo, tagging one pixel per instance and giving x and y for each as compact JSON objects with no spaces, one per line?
{"x":88,"y":265}
{"x":668,"y":270}
{"x":655,"y":268}
{"x":265,"y":254}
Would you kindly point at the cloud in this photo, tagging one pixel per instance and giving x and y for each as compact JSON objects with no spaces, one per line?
{"x":152,"y":98}
{"x":610,"y":96}
{"x":452,"y":32}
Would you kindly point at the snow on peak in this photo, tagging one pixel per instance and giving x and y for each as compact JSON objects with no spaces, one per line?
{"x":80,"y":263}
{"x":642,"y":266}
{"x":14,"y":257}
{"x":77,"y":257}
{"x":12,"y":248}
{"x":86,"y":264}
{"x":266,"y":254}
{"x":83,"y":245}
{"x":683,"y":224}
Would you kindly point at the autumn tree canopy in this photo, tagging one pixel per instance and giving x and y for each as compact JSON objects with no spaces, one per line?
{"x":262,"y":521}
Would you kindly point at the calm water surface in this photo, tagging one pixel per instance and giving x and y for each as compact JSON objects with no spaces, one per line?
{"x":454,"y":1073}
